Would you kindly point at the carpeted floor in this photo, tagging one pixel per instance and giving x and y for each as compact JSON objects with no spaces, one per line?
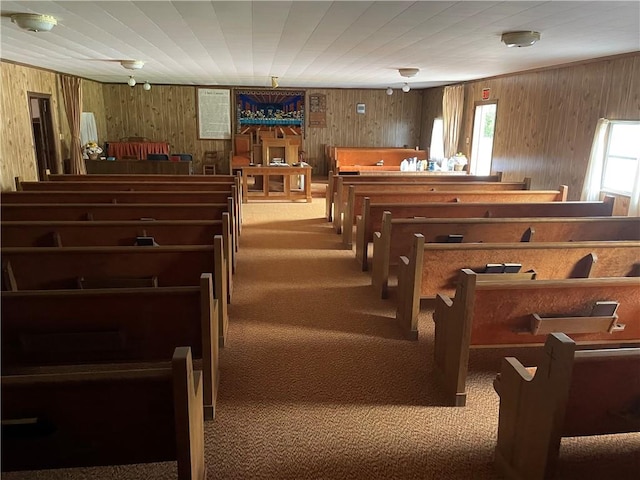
{"x":318,"y":383}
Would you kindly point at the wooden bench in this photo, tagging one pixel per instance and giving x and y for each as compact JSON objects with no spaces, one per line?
{"x":342,"y":190}
{"x":230,"y":179}
{"x":231,"y":185}
{"x":371,"y":219}
{"x":355,"y":159}
{"x":122,"y":211}
{"x":396,"y":236}
{"x":55,"y":233}
{"x":55,"y":268}
{"x":492,"y":311}
{"x":572,"y":393}
{"x":105,"y":415}
{"x":128,"y":197}
{"x":355,"y":203}
{"x":433,"y":268}
{"x":60,"y":327}
{"x":337,"y":183}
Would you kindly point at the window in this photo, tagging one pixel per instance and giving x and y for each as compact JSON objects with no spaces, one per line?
{"x":436,"y":149}
{"x":614,"y":162}
{"x":621,"y":157}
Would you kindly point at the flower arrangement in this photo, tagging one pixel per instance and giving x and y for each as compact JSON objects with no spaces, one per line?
{"x":92,"y":150}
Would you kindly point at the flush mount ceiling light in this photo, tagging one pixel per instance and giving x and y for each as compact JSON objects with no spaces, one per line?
{"x":34,"y":22}
{"x":520,"y":39}
{"x":274,"y":82}
{"x":406,"y":88}
{"x":408,"y":72}
{"x":132,"y":64}
{"x":389,"y":91}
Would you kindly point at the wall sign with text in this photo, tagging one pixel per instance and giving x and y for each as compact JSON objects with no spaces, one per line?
{"x":214,"y":113}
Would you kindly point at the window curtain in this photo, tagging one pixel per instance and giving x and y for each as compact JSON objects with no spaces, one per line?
{"x":452,"y":105}
{"x":72,"y":94}
{"x":593,"y":178}
{"x":634,"y":204}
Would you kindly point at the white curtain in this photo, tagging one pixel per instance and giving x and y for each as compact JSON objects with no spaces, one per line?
{"x":452,"y":105}
{"x":593,"y":178}
{"x":88,"y":129}
{"x":634,"y":204}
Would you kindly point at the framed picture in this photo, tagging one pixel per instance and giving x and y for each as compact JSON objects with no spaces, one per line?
{"x":274,"y":109}
{"x":360,"y":108}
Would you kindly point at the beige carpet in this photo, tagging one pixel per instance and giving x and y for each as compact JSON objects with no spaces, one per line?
{"x":318,"y":383}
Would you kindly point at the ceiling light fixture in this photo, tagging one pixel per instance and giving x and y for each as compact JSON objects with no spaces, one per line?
{"x":408,"y":72}
{"x":34,"y":22}
{"x":132,"y":64}
{"x":131,"y":81}
{"x":389,"y":91}
{"x":406,"y":88}
{"x":274,"y":82}
{"x":146,"y":86}
{"x":520,"y":39}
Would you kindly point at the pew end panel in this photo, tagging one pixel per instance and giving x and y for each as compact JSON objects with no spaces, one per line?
{"x":409,"y":281}
{"x":50,"y":421}
{"x":571,"y":393}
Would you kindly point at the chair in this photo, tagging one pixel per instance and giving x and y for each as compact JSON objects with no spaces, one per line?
{"x":185,"y":157}
{"x":158,"y":156}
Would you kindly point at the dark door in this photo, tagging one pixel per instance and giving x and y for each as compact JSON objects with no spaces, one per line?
{"x":43,"y":135}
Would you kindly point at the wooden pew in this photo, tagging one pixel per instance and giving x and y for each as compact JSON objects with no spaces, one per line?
{"x":120,"y":211}
{"x":413,"y":186}
{"x":355,"y":204}
{"x":60,"y":327}
{"x":55,"y":268}
{"x":336,"y":181}
{"x":572,"y":393}
{"x":121,"y":233}
{"x":371,"y":219}
{"x":128,"y":197}
{"x":230,"y":179}
{"x":105,"y":415}
{"x":232,"y":185}
{"x":355,"y":159}
{"x":497,"y":312}
{"x":433,"y":268}
{"x":396,"y":236}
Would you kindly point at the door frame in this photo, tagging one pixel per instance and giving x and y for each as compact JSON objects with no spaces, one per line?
{"x":44,"y":145}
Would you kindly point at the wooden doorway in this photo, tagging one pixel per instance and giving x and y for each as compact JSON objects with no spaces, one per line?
{"x":43,"y":135}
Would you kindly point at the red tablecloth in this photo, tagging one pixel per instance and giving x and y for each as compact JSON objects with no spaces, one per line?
{"x":137,"y":149}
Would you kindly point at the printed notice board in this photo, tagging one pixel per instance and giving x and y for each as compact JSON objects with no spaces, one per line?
{"x":214,"y":113}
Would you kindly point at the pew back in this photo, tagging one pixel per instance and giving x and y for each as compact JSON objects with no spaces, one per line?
{"x":99,"y":415}
{"x":58,"y":327}
{"x":434,"y":268}
{"x":396,"y":237}
{"x":356,"y":202}
{"x":371,"y":219}
{"x":55,"y":268}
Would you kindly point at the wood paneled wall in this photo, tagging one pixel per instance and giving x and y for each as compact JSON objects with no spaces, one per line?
{"x":17,"y":148}
{"x":168,"y":113}
{"x":546,"y":119}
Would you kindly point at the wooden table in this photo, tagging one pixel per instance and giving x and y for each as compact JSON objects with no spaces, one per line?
{"x":290,"y":190}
